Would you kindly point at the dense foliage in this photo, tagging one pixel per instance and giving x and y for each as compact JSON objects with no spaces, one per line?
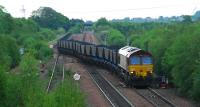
{"x":24,"y":43}
{"x":27,"y":90}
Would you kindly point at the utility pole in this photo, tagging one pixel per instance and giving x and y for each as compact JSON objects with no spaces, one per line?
{"x":23,"y":10}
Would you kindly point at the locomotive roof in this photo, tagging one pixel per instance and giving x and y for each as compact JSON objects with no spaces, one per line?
{"x":128,"y":50}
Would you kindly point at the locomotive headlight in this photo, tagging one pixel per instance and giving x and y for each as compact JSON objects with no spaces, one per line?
{"x":149,"y":69}
{"x":131,"y":72}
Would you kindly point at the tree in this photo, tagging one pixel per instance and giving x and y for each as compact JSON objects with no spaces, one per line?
{"x":32,"y":92}
{"x":47,"y":34}
{"x":195,"y":92}
{"x":74,"y":22}
{"x":102,"y":22}
{"x":187,"y":19}
{"x":22,"y":25}
{"x":115,"y":38}
{"x":76,"y":29}
{"x":6,"y":22}
{"x":181,"y":59}
{"x":29,"y":69}
{"x":47,"y":17}
{"x":2,"y":87}
{"x":9,"y":54}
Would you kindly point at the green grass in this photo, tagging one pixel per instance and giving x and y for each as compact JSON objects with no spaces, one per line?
{"x":68,"y":94}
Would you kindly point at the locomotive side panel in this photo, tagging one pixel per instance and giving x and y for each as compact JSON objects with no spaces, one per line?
{"x":123,"y":62}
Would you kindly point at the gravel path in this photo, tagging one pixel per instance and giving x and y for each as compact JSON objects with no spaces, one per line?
{"x":171,"y":95}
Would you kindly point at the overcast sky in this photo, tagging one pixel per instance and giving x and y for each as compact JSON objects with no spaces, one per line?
{"x":111,"y":9}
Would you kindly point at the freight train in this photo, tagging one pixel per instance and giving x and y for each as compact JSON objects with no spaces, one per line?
{"x":133,"y":65}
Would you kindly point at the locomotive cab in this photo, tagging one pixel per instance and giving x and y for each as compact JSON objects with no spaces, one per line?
{"x":140,"y":65}
{"x":136,"y":66}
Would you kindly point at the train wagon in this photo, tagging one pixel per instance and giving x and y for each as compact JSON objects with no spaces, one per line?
{"x":115,"y":57}
{"x":83,"y":51}
{"x":94,"y":51}
{"x":111,"y":56}
{"x":106,"y":54}
{"x":70,"y":44}
{"x":100,"y":51}
{"x":133,"y":65}
{"x":78,"y":47}
{"x":88,"y":48}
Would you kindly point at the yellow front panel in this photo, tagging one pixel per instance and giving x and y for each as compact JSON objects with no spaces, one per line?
{"x":140,"y":70}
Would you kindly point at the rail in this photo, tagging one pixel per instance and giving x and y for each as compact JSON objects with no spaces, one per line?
{"x":53,"y":73}
{"x":115,"y":98}
{"x":154,"y":98}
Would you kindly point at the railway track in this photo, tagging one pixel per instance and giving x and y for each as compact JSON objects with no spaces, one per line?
{"x":154,"y":98}
{"x":115,"y":98}
{"x":57,"y":73}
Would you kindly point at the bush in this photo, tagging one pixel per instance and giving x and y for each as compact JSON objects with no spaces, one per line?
{"x":66,"y":95}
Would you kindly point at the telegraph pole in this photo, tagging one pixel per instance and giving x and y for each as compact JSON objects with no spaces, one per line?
{"x":23,"y":10}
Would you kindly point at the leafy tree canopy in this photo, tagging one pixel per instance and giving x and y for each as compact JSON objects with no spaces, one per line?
{"x":115,"y":38}
{"x":47,"y":17}
{"x":6,"y":22}
{"x":102,"y":22}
